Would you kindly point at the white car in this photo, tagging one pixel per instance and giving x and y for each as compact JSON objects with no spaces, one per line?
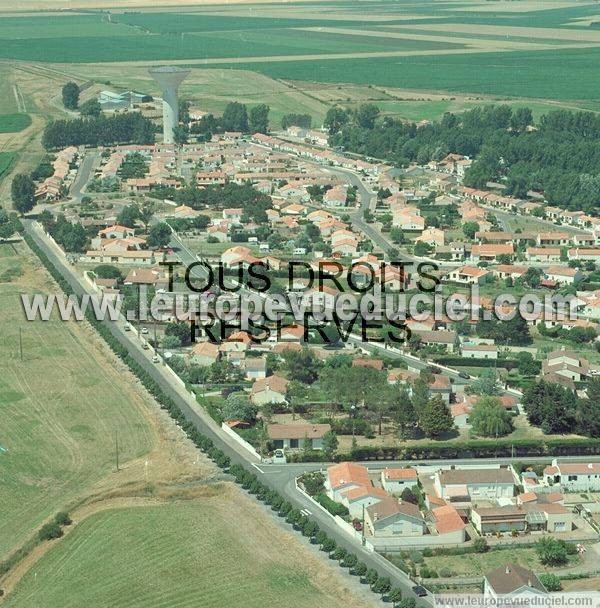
{"x":144,"y":330}
{"x":156,"y":359}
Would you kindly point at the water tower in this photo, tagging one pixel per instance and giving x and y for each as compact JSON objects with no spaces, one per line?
{"x":169,"y":78}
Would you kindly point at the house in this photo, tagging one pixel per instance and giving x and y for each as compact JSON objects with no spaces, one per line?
{"x":116,"y":232}
{"x":479,"y":351}
{"x":512,"y":579}
{"x":490,"y":252}
{"x":391,"y":517}
{"x":469,"y":275}
{"x":553,"y":239}
{"x":292,"y":333}
{"x":394,"y":481}
{"x":343,"y":477}
{"x":362,"y":497}
{"x":565,"y":367}
{"x":583,"y":254}
{"x":443,"y":338}
{"x":441,"y":386}
{"x":573,"y":476}
{"x":492,"y":520}
{"x":142,"y":276}
{"x":269,"y":390}
{"x":543,"y":254}
{"x":506,"y":271}
{"x":563,"y":274}
{"x":449,"y":524}
{"x":336,"y":196}
{"x":460,"y":414}
{"x":294,"y":436}
{"x":138,"y":257}
{"x":255,"y":368}
{"x":484,"y":484}
{"x":205,"y":353}
{"x":432,"y":236}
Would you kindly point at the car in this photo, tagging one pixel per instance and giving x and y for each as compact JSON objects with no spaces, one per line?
{"x":464,"y":375}
{"x":432,"y":369}
{"x":279,"y":457}
{"x":156,"y":359}
{"x":145,"y":345}
{"x":144,"y":330}
{"x":127,"y":327}
{"x":419,"y":591}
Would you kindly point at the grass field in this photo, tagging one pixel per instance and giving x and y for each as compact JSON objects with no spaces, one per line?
{"x":179,"y":555}
{"x":60,"y":405}
{"x":13,"y":123}
{"x":6,"y":161}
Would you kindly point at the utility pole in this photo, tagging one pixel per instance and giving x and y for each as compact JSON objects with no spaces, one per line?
{"x":117,"y":449}
{"x":363,"y":526}
{"x":21,"y":342}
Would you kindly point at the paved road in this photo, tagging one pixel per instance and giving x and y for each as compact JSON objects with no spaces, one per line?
{"x":84,"y":173}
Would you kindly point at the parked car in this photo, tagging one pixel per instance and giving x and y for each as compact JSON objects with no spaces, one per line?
{"x":144,"y":330}
{"x":156,"y":359}
{"x":127,"y":327}
{"x":419,"y":591}
{"x":464,"y":375}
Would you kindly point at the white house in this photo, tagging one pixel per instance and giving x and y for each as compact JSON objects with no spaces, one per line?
{"x":484,"y":484}
{"x":390,"y":517}
{"x":512,"y":579}
{"x":343,"y":477}
{"x":294,"y":436}
{"x":362,"y":497}
{"x":394,"y":481}
{"x":573,"y":476}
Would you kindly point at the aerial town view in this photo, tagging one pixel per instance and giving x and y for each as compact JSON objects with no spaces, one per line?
{"x":300,"y":303}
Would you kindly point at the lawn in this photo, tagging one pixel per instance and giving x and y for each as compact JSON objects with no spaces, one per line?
{"x":179,"y":555}
{"x":60,"y":408}
{"x":477,"y":564}
{"x":13,"y":123}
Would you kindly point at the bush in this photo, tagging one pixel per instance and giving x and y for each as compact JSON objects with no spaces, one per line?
{"x":416,"y":557}
{"x":335,"y":508}
{"x":551,"y":582}
{"x":50,"y":531}
{"x":63,"y":519}
{"x":480,"y":545}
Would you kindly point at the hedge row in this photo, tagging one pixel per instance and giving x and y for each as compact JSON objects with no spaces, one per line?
{"x":476,"y":362}
{"x":246,"y":479}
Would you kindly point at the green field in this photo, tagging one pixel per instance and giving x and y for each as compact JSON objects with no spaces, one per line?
{"x":60,"y":407}
{"x":518,"y":74}
{"x":6,"y":161}
{"x":175,"y":556}
{"x":13,"y":123}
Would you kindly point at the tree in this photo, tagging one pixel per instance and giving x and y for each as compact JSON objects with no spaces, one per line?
{"x":365,"y":115}
{"x":469,"y":229}
{"x":180,"y":330}
{"x":404,"y":413}
{"x":259,"y":119}
{"x":395,"y":595}
{"x":70,"y":96}
{"x":335,"y":119}
{"x":330,"y":443}
{"x":295,"y":394}
{"x":489,"y":419}
{"x":588,"y":411}
{"x":299,"y":120}
{"x":9,"y":224}
{"x":128,"y":216}
{"x":146,"y":213}
{"x":170,"y":342}
{"x":50,"y":531}
{"x":551,"y":582}
{"x":371,"y":576}
{"x":360,"y":569}
{"x":436,"y":419}
{"x":237,"y":406}
{"x":487,"y":383}
{"x":383,"y":585}
{"x":62,"y":519}
{"x":235,"y":117}
{"x":91,"y":107}
{"x":159,"y":235}
{"x":550,"y":406}
{"x":180,"y":135}
{"x":480,"y":545}
{"x":551,"y":552}
{"x":408,"y":496}
{"x":302,"y":366}
{"x":22,"y":192}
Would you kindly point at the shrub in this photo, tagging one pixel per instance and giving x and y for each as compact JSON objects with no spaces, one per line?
{"x":63,"y":519}
{"x":551,"y":582}
{"x":480,"y":545}
{"x":50,"y":531}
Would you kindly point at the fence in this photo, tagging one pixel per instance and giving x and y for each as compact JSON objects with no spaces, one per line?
{"x":231,"y":433}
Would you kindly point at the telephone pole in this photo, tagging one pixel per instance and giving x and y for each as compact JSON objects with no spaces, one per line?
{"x":21,"y":342}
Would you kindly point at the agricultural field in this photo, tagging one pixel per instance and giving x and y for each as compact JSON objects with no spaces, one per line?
{"x":13,"y":123}
{"x":61,"y":406}
{"x":187,"y":553}
{"x":6,"y":161}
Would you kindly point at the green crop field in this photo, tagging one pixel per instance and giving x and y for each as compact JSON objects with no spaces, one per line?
{"x":519,"y":74}
{"x":180,"y":555}
{"x":13,"y":123}
{"x":6,"y":161}
{"x":60,"y":407}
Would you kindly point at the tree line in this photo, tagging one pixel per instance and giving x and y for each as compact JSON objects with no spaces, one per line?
{"x":558,"y":155}
{"x":131,"y":127}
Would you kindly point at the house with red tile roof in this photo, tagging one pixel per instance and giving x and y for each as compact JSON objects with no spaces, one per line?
{"x":345,"y":476}
{"x":394,"y":481}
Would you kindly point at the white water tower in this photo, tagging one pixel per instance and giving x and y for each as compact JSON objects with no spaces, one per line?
{"x":169,"y":78}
